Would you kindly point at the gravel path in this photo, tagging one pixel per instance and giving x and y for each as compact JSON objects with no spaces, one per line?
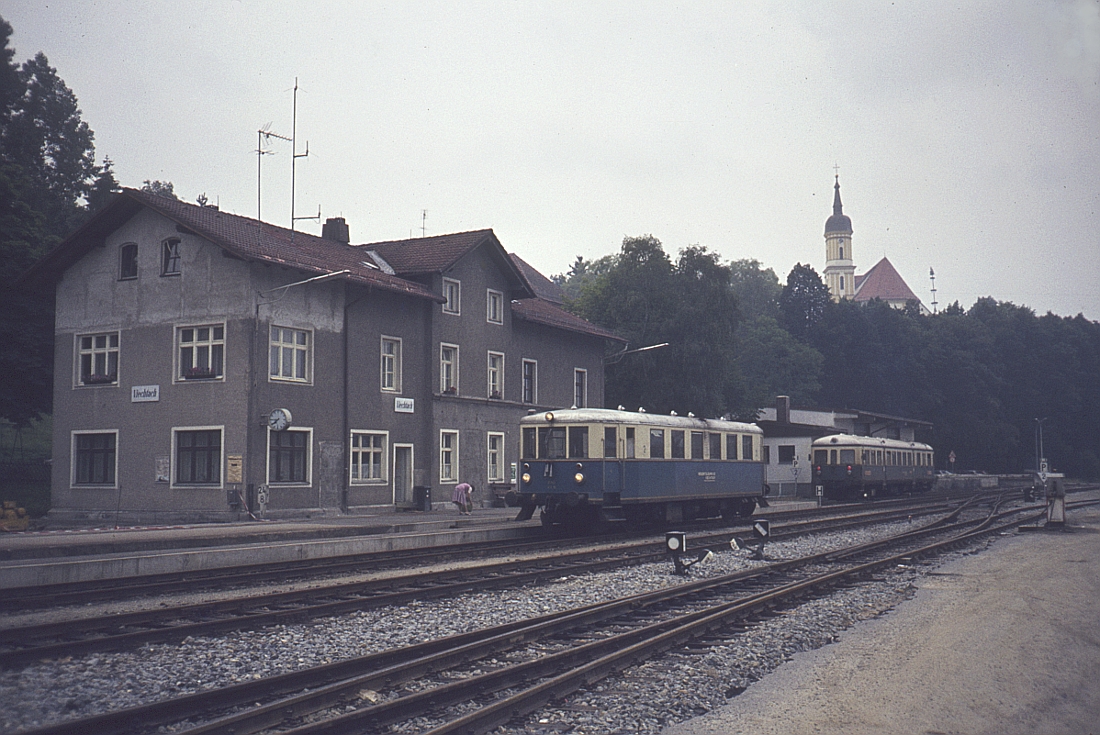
{"x":645,"y":700}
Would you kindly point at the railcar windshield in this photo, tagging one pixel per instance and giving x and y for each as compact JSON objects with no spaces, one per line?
{"x":578,"y":442}
{"x":847,"y":456}
{"x":552,"y":442}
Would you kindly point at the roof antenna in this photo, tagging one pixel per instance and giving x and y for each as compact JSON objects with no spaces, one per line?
{"x":295,"y":155}
{"x":262,"y":135}
{"x":932,"y":275}
{"x":423,"y":223}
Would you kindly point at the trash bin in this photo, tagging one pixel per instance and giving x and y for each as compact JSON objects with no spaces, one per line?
{"x":422,"y":497}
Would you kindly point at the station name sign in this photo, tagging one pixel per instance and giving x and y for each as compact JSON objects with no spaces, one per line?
{"x":144,"y":393}
{"x":404,"y":405}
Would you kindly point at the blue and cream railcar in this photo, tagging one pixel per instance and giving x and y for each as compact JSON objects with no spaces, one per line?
{"x":850,"y":467}
{"x":585,"y":466}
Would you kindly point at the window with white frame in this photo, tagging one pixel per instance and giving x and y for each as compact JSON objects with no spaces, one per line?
{"x":127,"y":261}
{"x":391,"y":364}
{"x":448,"y":456}
{"x":496,"y":375}
{"x":494,"y":307}
{"x":201,"y":351}
{"x":170,"y":257}
{"x":198,"y":456}
{"x":368,"y":457}
{"x":288,"y":460}
{"x":98,"y":358}
{"x":452,"y":292}
{"x":530,"y":381}
{"x":448,"y":369}
{"x":580,"y":388}
{"x":290,"y":353}
{"x":95,"y":458}
{"x":495,"y":459}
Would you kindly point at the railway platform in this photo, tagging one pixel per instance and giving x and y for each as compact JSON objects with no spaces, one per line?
{"x":36,"y":558}
{"x":71,"y":555}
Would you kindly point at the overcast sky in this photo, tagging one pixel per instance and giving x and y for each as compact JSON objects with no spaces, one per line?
{"x":967,"y":138}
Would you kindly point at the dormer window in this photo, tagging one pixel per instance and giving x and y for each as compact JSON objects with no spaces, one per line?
{"x":127,"y":261}
{"x":170,"y":257}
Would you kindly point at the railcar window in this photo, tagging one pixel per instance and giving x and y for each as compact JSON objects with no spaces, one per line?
{"x":657,"y":443}
{"x":832,"y":456}
{"x":630,"y":442}
{"x":821,"y":456}
{"x":847,"y":456}
{"x":696,"y":445}
{"x":578,"y":442}
{"x":610,"y":441}
{"x":677,"y":444}
{"x":529,"y":445}
{"x":552,"y":442}
{"x":746,"y":448}
{"x":731,"y":446}
{"x":715,"y":446}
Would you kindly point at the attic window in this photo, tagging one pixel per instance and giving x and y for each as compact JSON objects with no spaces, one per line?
{"x":170,"y":257}
{"x":127,"y":261}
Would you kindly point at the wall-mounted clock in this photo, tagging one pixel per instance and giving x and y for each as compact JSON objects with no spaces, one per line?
{"x":279,"y":419}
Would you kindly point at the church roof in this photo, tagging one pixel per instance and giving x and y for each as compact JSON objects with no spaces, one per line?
{"x":883,"y":282}
{"x":839,"y":222}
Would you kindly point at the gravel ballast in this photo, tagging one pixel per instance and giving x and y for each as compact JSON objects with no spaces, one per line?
{"x":645,"y":699}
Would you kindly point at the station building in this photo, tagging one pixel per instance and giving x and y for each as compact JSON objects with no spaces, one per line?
{"x":209,"y":366}
{"x":788,"y":434}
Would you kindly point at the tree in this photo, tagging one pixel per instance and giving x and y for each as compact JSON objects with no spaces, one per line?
{"x":757,"y":289}
{"x":47,"y":172}
{"x":160,"y":188}
{"x":803,"y":301}
{"x":642,"y":296}
{"x":54,"y":148}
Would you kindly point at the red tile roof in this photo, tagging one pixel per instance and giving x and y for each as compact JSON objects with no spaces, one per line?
{"x":883,"y":282}
{"x":541,"y":311}
{"x":544,"y":288}
{"x":244,"y":237}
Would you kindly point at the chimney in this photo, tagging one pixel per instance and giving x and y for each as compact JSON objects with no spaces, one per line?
{"x":782,"y":410}
{"x":335,"y":228}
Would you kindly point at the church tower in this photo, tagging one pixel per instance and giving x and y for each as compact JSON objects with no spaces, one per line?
{"x":840,"y":272}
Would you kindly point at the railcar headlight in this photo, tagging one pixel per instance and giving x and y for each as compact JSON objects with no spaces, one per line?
{"x":526,"y":478}
{"x":578,"y":478}
{"x":549,"y":416}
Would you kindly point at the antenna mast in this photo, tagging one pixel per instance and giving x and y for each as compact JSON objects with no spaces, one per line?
{"x":261,"y":135}
{"x":295,"y":155}
{"x":932,"y":275}
{"x":424,"y":223}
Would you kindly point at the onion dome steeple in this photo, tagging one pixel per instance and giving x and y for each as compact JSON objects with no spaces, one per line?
{"x":840,"y":269}
{"x":839,"y":222}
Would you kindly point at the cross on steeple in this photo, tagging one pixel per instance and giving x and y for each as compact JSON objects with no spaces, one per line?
{"x":836,"y":169}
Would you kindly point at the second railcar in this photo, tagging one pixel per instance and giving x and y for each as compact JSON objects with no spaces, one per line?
{"x":853,"y":467}
{"x":587,"y":466}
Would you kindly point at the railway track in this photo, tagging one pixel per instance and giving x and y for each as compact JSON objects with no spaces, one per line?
{"x":474,"y":682}
{"x":81,"y":593}
{"x":73,"y":636}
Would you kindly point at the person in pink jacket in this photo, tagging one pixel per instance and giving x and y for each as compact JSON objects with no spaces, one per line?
{"x":462,"y":498}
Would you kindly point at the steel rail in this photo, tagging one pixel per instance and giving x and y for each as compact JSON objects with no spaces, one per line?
{"x":116,"y":632}
{"x":469,"y":647}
